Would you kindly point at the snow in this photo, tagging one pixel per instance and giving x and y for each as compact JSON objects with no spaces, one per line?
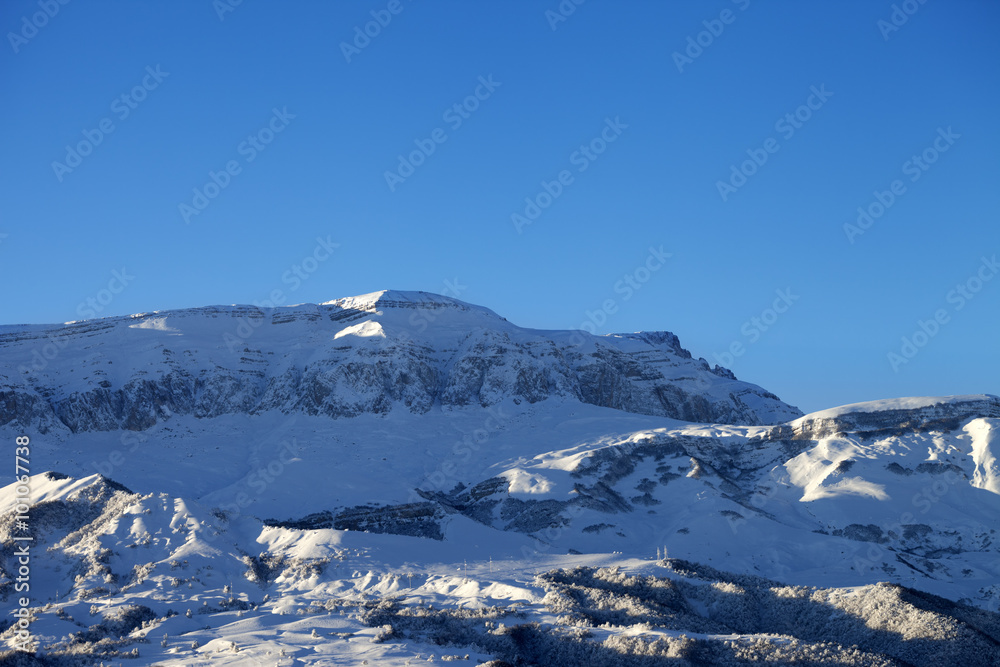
{"x":985,"y":435}
{"x":812,"y":471}
{"x":523,"y":483}
{"x":908,"y":403}
{"x":364,"y":330}
{"x":212,"y":496}
{"x":154,"y":323}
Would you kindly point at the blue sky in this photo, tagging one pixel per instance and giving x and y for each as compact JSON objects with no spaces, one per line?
{"x":642,"y":138}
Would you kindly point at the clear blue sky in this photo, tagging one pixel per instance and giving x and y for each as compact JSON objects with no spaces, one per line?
{"x":323,"y":175}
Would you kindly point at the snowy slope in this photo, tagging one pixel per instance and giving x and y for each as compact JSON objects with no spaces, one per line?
{"x":836,"y":513}
{"x":401,"y":476}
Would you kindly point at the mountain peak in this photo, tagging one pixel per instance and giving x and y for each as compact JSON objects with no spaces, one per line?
{"x":388,"y":297}
{"x":375,"y":302}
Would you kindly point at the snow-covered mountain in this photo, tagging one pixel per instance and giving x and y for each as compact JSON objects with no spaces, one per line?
{"x":371,"y":354}
{"x":404,"y":476}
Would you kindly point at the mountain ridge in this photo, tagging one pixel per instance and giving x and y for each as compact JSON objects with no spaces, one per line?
{"x":370,"y":353}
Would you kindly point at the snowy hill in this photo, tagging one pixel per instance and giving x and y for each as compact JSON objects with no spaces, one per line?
{"x":401,"y":476}
{"x":371,"y":354}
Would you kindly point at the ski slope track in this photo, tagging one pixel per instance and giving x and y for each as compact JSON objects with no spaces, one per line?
{"x":401,"y":476}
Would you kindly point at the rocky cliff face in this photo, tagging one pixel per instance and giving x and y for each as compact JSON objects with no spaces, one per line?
{"x":370,"y":354}
{"x":891,"y":417}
